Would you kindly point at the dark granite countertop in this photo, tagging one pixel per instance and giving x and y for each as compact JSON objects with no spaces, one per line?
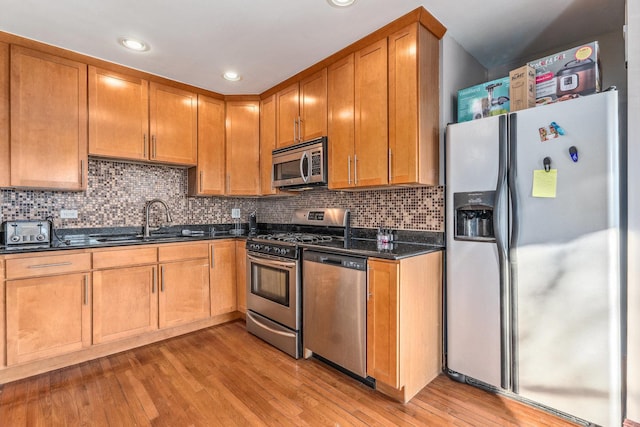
{"x":363,"y":242}
{"x":370,"y":248}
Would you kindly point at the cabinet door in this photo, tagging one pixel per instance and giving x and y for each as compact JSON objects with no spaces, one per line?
{"x":267,"y":144}
{"x":382,"y":322}
{"x":243,"y":148}
{"x":288,"y":113}
{"x":184,"y":292}
{"x":241,"y":275}
{"x":173,"y":122}
{"x":313,"y":106}
{"x":413,"y":106}
{"x":47,"y":316}
{"x":5,"y":162}
{"x":371,"y":139}
{"x":222,"y":277}
{"x":125,"y":303}
{"x":341,"y":124}
{"x":118,"y":115}
{"x":48,"y":121}
{"x":208,"y":178}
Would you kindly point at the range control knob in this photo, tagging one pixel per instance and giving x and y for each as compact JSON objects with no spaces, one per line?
{"x":14,"y":238}
{"x":40,"y":237}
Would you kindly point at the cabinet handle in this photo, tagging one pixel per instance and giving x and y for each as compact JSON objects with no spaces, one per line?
{"x":300,"y":129}
{"x":155,"y":278}
{"x":81,"y":173}
{"x":86,"y":290}
{"x":56,"y":264}
{"x":295,"y":135}
{"x":144,"y":145}
{"x":162,"y":279}
{"x":153,"y":146}
{"x":201,"y":172}
{"x":389,"y":165}
{"x":349,"y":170}
{"x":368,"y":288}
{"x":213,"y":264}
{"x":228,"y":183}
{"x":355,"y":169}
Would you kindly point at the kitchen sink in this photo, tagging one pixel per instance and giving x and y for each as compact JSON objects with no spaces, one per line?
{"x":136,"y":238}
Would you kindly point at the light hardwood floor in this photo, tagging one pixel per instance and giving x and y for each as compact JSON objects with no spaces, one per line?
{"x":223,"y":376}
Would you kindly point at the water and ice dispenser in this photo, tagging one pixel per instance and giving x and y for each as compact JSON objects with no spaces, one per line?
{"x":473,"y":218}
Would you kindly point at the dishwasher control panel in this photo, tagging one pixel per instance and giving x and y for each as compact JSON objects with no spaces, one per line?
{"x":338,"y":260}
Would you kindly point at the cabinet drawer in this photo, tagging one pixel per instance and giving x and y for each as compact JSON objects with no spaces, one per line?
{"x":47,"y":265}
{"x":183,"y":251}
{"x":125,"y":257}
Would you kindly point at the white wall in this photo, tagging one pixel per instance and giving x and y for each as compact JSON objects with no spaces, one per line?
{"x":633,"y":155}
{"x":458,"y":69}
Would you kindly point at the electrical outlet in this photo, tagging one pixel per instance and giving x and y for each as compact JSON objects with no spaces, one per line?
{"x":69,"y":213}
{"x":235,"y":213}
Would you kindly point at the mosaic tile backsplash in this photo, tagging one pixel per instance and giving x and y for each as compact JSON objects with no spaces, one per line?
{"x":116,"y":194}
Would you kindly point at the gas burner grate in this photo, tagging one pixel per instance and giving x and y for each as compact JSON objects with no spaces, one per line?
{"x":296,"y":237}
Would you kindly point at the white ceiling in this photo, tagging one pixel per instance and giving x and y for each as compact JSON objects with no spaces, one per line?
{"x":267,"y":41}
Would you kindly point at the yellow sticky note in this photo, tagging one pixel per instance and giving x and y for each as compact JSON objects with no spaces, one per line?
{"x":544,"y":183}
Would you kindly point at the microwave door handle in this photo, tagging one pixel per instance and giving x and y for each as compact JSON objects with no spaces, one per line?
{"x":305,"y":156}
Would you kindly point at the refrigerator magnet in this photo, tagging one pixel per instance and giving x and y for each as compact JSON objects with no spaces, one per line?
{"x":573,"y":152}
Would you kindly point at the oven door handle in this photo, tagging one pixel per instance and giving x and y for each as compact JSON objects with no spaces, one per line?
{"x":275,"y":331}
{"x":267,"y":261}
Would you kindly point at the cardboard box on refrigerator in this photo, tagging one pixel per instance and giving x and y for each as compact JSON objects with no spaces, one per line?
{"x":568,"y":74}
{"x":522,"y":88}
{"x":483,"y":100}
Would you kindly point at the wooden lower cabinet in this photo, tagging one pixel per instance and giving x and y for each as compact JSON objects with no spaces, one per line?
{"x":47,"y":316}
{"x":125,"y":302}
{"x":184,"y":292}
{"x":241,"y":275}
{"x":222,"y":277}
{"x":404,"y":323}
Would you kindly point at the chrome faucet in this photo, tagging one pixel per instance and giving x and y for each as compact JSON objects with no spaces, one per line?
{"x":147,"y":208}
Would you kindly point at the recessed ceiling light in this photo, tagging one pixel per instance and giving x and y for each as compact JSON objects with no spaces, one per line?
{"x":232,"y":76}
{"x":341,"y":3}
{"x":133,"y":44}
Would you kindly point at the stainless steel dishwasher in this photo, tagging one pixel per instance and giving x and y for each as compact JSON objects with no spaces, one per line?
{"x":334,"y":289}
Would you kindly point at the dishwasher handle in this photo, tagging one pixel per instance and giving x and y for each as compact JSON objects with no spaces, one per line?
{"x":327,"y":260}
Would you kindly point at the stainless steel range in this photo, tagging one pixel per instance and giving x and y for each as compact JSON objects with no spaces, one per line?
{"x":274,"y":276}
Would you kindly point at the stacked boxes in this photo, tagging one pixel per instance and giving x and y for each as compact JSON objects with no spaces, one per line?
{"x":483,"y":100}
{"x":568,"y":74}
{"x":522,"y":88}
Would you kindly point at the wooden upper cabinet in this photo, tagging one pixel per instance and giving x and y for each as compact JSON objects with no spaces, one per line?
{"x":173,"y":115}
{"x":341,"y":123}
{"x":243,"y":148}
{"x":118,"y":115}
{"x":48,"y":121}
{"x":413,"y":106}
{"x":371,"y":119}
{"x":302,"y":110}
{"x":267,"y":144}
{"x":208,"y":178}
{"x":313,"y":106}
{"x":5,"y":162}
{"x":288,"y":114}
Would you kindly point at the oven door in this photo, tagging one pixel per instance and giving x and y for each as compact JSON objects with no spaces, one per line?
{"x":272,"y":289}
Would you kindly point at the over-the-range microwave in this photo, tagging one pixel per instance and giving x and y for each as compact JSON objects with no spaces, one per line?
{"x":300,"y":166}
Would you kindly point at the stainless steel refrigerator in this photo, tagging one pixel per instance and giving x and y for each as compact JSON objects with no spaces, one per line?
{"x":534,"y":266}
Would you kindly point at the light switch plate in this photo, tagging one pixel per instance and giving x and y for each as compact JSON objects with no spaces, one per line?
{"x":69,"y":213}
{"x":235,"y":213}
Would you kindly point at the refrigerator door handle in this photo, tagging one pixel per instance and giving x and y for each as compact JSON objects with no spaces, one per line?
{"x":514,"y":229}
{"x":501,"y":242}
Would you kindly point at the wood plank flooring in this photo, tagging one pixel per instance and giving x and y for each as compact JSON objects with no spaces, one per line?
{"x":223,"y":376}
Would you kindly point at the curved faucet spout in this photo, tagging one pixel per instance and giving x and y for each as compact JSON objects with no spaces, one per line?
{"x":147,"y":208}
